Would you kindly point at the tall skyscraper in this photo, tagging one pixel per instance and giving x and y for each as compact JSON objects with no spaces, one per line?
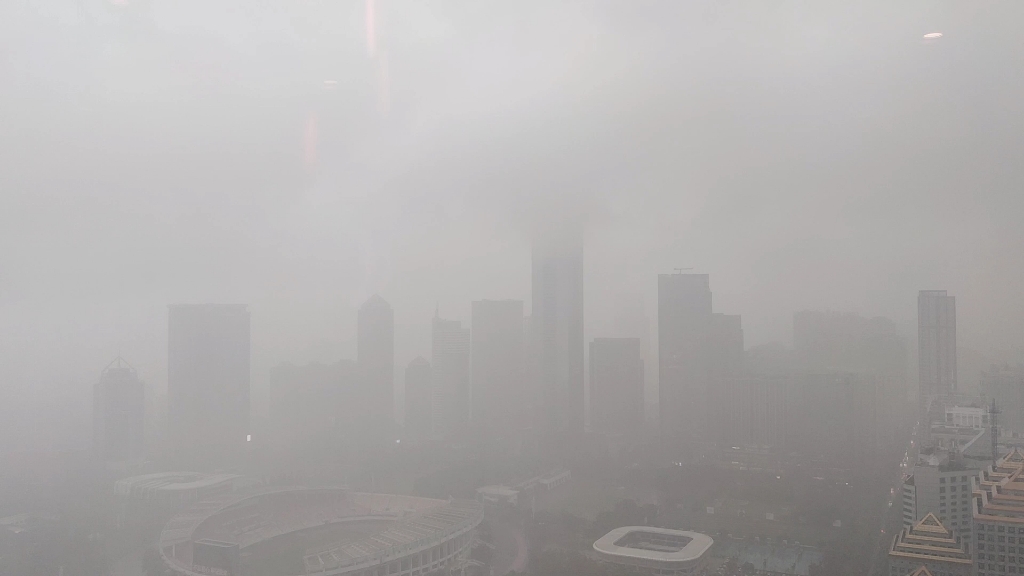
{"x":684,"y":370}
{"x":419,"y":399}
{"x":450,"y":348}
{"x":557,"y":337}
{"x":616,"y":385}
{"x":118,"y":413}
{"x":208,"y":350}
{"x":375,"y":359}
{"x":936,"y":341}
{"x":499,"y":400}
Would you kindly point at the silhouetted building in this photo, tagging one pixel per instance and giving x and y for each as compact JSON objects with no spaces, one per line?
{"x":498,"y":395}
{"x":375,"y":358}
{"x":754,"y":413}
{"x":450,"y":349}
{"x":616,"y":385}
{"x":842,"y":343}
{"x":630,"y":320}
{"x":118,"y":411}
{"x":849,"y":342}
{"x":839,"y":417}
{"x":936,"y":341}
{"x":419,"y":399}
{"x":684,"y":373}
{"x":725,"y":358}
{"x":557,"y":337}
{"x":208,"y":382}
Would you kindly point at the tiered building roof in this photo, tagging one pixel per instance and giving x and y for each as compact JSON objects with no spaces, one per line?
{"x":929,"y":542}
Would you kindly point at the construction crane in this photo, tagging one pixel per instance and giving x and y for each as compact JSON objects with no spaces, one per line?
{"x":680,"y":270}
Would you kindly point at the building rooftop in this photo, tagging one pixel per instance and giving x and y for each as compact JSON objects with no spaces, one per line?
{"x":929,"y":541}
{"x":999,"y":491}
{"x":650,"y":543}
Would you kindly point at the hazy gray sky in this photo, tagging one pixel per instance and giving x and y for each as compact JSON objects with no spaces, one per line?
{"x":806,"y":155}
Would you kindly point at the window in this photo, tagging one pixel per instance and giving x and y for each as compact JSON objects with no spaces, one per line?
{"x":942,"y":489}
{"x":942,"y":480}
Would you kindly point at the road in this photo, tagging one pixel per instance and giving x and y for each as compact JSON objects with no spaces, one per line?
{"x":892,"y":516}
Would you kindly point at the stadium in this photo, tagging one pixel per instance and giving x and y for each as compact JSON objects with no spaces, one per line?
{"x":656,"y":551}
{"x":323,"y":531}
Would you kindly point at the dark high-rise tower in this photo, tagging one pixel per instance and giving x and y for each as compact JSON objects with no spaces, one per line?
{"x":557,"y":337}
{"x":936,"y":341}
{"x":208,"y":350}
{"x":450,"y":348}
{"x":419,"y":399}
{"x":375,"y":357}
{"x":616,"y":385}
{"x":499,"y":400}
{"x":118,"y":413}
{"x":684,"y":366}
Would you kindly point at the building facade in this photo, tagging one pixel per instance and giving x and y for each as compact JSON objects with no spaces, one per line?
{"x":498,"y":362}
{"x":119,"y":412}
{"x":936,"y":340}
{"x":616,"y":386}
{"x":208,"y":382}
{"x":450,"y":350}
{"x":684,"y":373}
{"x":942,"y":488}
{"x":557,"y":337}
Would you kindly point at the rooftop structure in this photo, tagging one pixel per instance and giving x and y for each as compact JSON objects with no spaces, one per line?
{"x":657,"y":550}
{"x":930,"y":544}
